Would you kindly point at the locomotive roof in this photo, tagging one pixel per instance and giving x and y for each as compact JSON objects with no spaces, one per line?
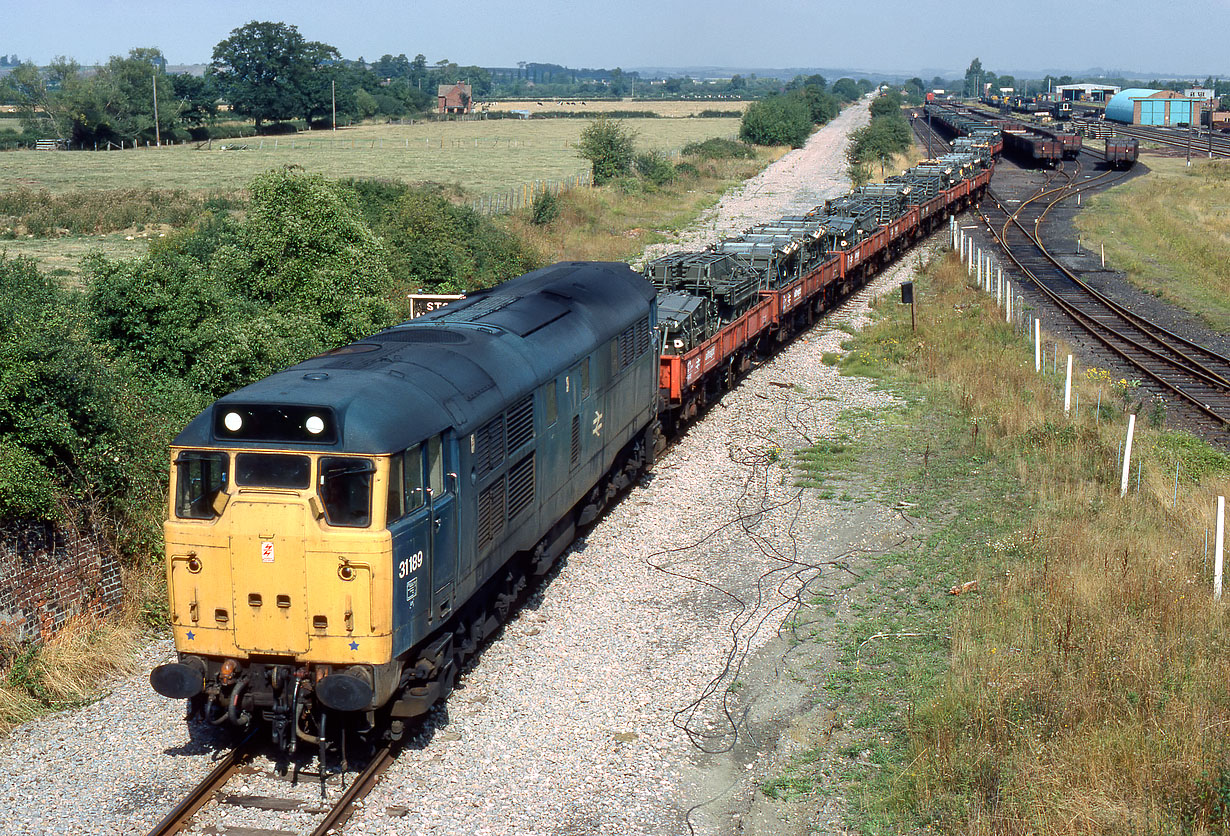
{"x":456,"y":366}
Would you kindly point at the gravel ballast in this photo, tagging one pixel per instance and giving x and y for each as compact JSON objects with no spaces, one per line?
{"x":630,"y":695}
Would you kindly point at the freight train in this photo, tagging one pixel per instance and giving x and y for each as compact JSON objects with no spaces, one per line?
{"x":1028,"y":143}
{"x":344,"y":534}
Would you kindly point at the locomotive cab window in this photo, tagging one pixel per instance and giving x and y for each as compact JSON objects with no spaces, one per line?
{"x":345,"y":487}
{"x":200,"y":478}
{"x":551,"y":404}
{"x":413,"y":469}
{"x":394,"y":504}
{"x":435,"y":466}
{"x":273,"y":470}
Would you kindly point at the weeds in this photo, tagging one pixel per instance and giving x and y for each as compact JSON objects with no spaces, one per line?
{"x":1086,"y":686}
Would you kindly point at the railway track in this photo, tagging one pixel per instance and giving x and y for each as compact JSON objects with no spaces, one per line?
{"x":1198,"y":376}
{"x":1198,"y":143}
{"x":239,"y":761}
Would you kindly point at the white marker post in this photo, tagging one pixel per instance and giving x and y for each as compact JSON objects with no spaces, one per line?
{"x":1218,"y":552}
{"x":1038,"y":346}
{"x":980,"y":269}
{"x":1127,"y":456}
{"x":1067,"y":390}
{"x":1007,"y":301}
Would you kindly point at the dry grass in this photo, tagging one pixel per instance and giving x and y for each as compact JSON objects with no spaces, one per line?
{"x":667,"y":109}
{"x":481,"y":157}
{"x":1170,"y":232}
{"x":607,"y":224}
{"x":1088,"y":689}
{"x":71,"y":668}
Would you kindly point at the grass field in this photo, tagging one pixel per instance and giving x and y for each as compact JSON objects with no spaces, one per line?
{"x":667,"y":109}
{"x":482,"y":157}
{"x":1170,"y":232}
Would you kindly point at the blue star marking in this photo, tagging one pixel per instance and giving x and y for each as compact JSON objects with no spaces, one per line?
{"x":354,"y":645}
{"x":191,"y":635}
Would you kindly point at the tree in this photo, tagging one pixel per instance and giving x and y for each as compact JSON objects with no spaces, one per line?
{"x":776,"y":120}
{"x":124,"y":92}
{"x":269,"y":72}
{"x":608,"y":144}
{"x":821,"y":106}
{"x":846,"y":89}
{"x":973,"y":78}
{"x":51,"y":100}
{"x":197,"y":95}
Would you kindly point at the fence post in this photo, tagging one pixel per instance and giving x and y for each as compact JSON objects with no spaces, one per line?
{"x":1067,"y":390}
{"x":1127,"y":456}
{"x":1038,"y":346}
{"x":1217,"y":546}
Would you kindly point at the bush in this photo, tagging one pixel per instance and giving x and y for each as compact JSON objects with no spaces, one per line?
{"x":654,"y":167}
{"x":68,"y":425}
{"x":719,"y":149}
{"x":438,"y":246}
{"x":226,"y":303}
{"x":91,"y":212}
{"x":608,"y":145}
{"x":278,"y":128}
{"x":776,"y":120}
{"x":545,"y":208}
{"x":686,"y":170}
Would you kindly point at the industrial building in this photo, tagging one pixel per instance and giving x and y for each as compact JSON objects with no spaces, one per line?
{"x":1086,"y":92}
{"x":1163,"y":108}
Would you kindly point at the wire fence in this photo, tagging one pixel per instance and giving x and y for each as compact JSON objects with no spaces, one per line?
{"x":520,"y":197}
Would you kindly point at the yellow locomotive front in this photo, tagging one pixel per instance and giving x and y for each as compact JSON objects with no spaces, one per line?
{"x":279,"y":574}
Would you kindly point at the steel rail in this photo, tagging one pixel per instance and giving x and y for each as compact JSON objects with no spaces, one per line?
{"x":1152,"y":329}
{"x":1198,"y":143}
{"x":359,"y":788}
{"x":1098,"y":329}
{"x":179,"y":817}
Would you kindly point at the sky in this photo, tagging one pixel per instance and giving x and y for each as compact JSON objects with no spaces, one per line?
{"x":1181,"y":37}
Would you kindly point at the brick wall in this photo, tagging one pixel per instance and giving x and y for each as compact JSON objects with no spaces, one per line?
{"x":49,"y":573}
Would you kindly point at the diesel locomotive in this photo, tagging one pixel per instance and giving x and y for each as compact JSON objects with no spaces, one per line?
{"x":343,"y":535}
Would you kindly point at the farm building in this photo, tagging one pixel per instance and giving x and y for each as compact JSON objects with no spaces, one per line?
{"x":1142,"y":106}
{"x":454,"y":98}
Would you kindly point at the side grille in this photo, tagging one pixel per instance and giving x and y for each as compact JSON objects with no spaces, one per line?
{"x":576,"y":440}
{"x":642,"y":336}
{"x":627,"y":346}
{"x":520,"y":486}
{"x":489,"y":446}
{"x":521,"y":423}
{"x":491,"y":514}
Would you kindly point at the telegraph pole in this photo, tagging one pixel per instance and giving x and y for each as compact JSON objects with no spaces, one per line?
{"x":157,"y":132}
{"x":334,"y":118}
{"x":1190,"y":119}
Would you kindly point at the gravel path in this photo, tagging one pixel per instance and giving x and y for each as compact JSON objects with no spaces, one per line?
{"x":793,"y":185}
{"x":596,"y":710}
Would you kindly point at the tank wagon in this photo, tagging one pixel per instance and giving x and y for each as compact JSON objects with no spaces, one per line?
{"x":343,"y":535}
